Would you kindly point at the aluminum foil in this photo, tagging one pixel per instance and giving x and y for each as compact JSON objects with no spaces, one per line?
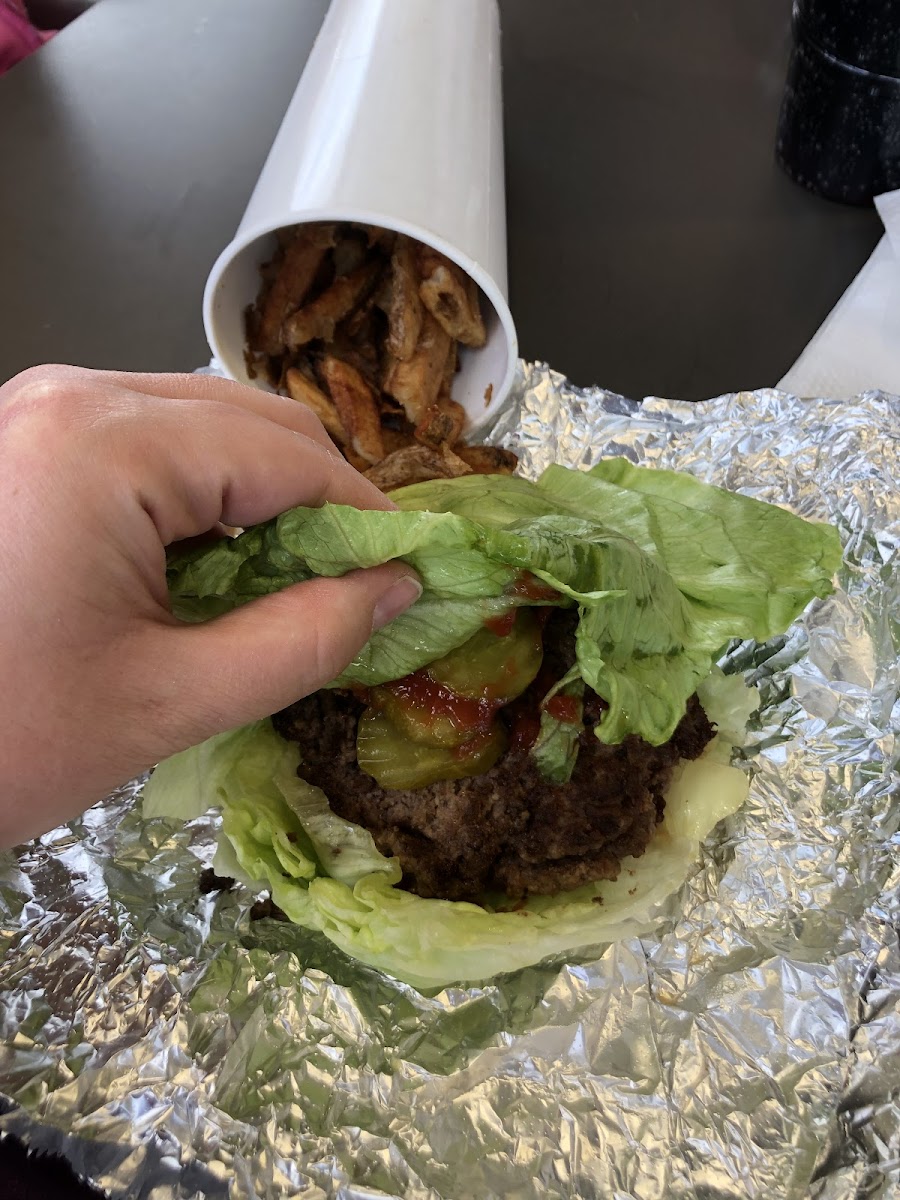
{"x":170,"y":1047}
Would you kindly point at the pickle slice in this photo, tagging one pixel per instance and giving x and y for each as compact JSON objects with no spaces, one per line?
{"x":429,"y":713}
{"x":488,"y":667}
{"x":395,"y":762}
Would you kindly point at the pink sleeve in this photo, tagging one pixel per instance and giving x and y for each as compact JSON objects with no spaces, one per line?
{"x":18,"y":37}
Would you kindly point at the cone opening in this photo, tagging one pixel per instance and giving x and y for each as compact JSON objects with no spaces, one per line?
{"x":485,"y":375}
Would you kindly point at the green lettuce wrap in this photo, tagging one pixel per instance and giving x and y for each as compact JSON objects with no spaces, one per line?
{"x":663,"y":571}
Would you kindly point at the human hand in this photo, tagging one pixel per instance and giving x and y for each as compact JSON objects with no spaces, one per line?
{"x":101,"y":472}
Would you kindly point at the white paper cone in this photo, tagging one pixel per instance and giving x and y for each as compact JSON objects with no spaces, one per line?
{"x":397,"y":122}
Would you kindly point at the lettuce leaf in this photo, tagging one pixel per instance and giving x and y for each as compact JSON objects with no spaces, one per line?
{"x":746,"y":568}
{"x":326,"y":874}
{"x":663,"y":568}
{"x":556,"y":749}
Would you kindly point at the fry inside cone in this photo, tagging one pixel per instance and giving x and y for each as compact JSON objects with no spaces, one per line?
{"x":364,"y":327}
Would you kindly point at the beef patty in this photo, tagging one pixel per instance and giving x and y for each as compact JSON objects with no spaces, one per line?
{"x":508,"y":830}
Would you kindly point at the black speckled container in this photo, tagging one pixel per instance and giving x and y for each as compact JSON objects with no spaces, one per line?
{"x":839,"y":129}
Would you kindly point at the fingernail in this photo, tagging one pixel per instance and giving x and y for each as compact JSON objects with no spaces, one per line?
{"x":396,"y":600}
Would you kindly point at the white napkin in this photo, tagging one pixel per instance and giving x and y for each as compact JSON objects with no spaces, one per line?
{"x":857,"y":347}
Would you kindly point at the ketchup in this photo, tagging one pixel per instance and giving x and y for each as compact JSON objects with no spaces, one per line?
{"x":528,"y":587}
{"x":564,"y":708}
{"x":525,"y":729}
{"x":428,"y":696}
{"x":477,"y":717}
{"x":526,"y":720}
{"x":501,"y":626}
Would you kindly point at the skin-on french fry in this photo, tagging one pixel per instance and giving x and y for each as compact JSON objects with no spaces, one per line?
{"x":358,"y":327}
{"x":451,"y":296}
{"x":363,"y":326}
{"x":404,"y":311}
{"x":442,"y":423}
{"x":302,"y":259}
{"x":318,"y":319}
{"x":356,"y":461}
{"x":453,"y":462}
{"x":416,"y":464}
{"x":396,"y":437}
{"x":450,"y":368}
{"x":350,"y":252}
{"x":356,"y":407}
{"x":416,"y":382}
{"x":358,"y":340}
{"x":376,"y":237}
{"x":304,"y":391}
{"x":487,"y":460}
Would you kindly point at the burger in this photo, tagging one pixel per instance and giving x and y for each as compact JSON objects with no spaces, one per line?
{"x":524,"y":763}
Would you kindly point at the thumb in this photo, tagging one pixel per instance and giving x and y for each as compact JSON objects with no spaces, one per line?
{"x":262,"y":657}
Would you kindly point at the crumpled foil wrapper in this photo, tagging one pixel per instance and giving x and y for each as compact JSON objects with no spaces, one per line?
{"x":751,"y":1048}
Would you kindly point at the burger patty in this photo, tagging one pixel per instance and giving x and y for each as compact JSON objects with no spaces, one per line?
{"x":508,"y":830}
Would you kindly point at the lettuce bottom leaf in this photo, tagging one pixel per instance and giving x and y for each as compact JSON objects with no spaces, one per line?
{"x":435,"y":943}
{"x":280,"y":833}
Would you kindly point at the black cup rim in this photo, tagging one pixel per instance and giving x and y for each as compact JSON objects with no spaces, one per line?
{"x":804,"y":33}
{"x":842,"y":65}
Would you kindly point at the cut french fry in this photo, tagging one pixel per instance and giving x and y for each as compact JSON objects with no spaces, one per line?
{"x":376,"y":237}
{"x":363,"y":326}
{"x":396,"y":436}
{"x":364,"y":360}
{"x":451,"y":296}
{"x":416,"y":382}
{"x":404,"y":311}
{"x":358,"y":327}
{"x":350,"y":252}
{"x":487,"y":460}
{"x":302,"y":259}
{"x":416,"y":464}
{"x":450,"y":369}
{"x":318,"y":318}
{"x":356,"y":461}
{"x":358,"y":341}
{"x":443,"y":422}
{"x":356,"y":407}
{"x":252,"y":361}
{"x":304,"y":391}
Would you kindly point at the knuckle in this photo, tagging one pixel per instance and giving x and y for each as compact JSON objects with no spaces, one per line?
{"x":40,"y":392}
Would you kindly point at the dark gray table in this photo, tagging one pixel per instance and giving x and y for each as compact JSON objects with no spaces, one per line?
{"x":654,"y":246}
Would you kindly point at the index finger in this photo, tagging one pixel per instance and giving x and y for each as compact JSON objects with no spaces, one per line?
{"x":283,"y":410}
{"x":193,"y":464}
{"x":188,"y":463}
